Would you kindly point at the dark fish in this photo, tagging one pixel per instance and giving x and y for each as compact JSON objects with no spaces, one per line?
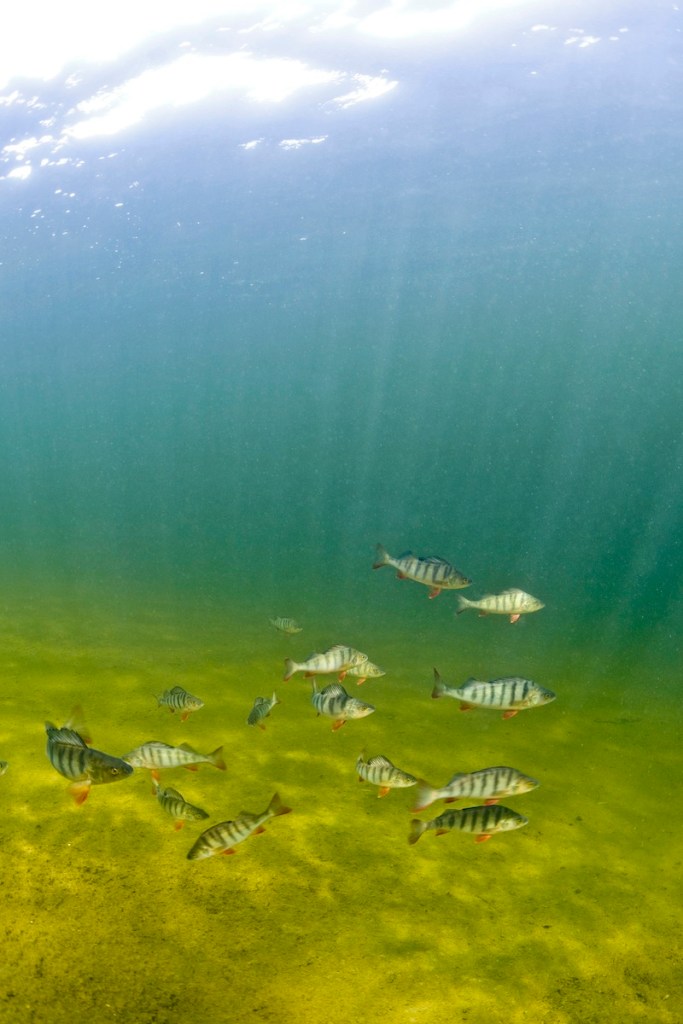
{"x":336,"y":703}
{"x":223,"y":837}
{"x":434,"y":572}
{"x":175,"y":804}
{"x":483,"y":821}
{"x":178,"y":699}
{"x":75,"y":760}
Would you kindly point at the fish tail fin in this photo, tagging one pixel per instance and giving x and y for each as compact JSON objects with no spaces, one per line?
{"x":439,"y":686}
{"x":276,"y":806}
{"x":424,"y":796}
{"x":216,"y":758}
{"x":463,"y":604}
{"x":382,"y":557}
{"x":290,"y":669}
{"x":417,"y":827}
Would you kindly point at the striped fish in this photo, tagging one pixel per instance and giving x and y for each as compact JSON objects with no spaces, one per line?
{"x":175,"y":804}
{"x":155,"y":755}
{"x":487,"y":785}
{"x":4,"y":765}
{"x":367,"y":670}
{"x":335,"y":702}
{"x":509,"y":695}
{"x":483,"y":821}
{"x":381,"y":772}
{"x":511,"y":602}
{"x":178,"y":699}
{"x":222,"y":838}
{"x":70,"y":755}
{"x":287,"y":626}
{"x":434,"y":572}
{"x":261,"y":709}
{"x":339,"y":658}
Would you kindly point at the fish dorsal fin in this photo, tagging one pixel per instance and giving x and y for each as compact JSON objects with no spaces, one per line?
{"x":380,"y":761}
{"x":187,"y":748}
{"x":512,"y":590}
{"x":334,"y":690}
{"x":435,"y":560}
{"x":455,"y":778}
{"x":68,"y":736}
{"x":405,"y":554}
{"x":336,"y":647}
{"x":174,"y":793}
{"x":177,"y":689}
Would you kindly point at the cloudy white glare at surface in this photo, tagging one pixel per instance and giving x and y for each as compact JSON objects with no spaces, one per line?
{"x":195,"y":50}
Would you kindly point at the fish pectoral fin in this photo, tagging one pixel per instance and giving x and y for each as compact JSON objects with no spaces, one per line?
{"x":435,"y":592}
{"x":515,"y":618}
{"x":383,"y":790}
{"x":510,"y":713}
{"x":493,"y":800}
{"x":338,"y":724}
{"x":483,"y":838}
{"x":80,"y":791}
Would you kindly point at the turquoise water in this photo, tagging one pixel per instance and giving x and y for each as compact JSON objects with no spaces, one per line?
{"x":451,"y":327}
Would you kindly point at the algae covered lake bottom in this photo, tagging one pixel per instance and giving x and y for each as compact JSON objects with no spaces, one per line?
{"x":331,"y":916}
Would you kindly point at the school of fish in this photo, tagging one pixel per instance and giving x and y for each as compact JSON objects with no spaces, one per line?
{"x":70,"y":752}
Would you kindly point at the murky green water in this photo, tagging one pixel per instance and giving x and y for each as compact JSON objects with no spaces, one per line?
{"x":448,"y":319}
{"x":331,"y":916}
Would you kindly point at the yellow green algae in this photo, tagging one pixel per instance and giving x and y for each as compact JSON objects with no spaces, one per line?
{"x":330,"y":917}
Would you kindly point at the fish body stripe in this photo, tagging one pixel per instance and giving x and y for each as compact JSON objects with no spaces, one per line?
{"x":175,"y":804}
{"x":381,"y":772}
{"x":485,"y":784}
{"x":77,"y":762}
{"x":501,"y":694}
{"x":481,"y":820}
{"x":335,"y":702}
{"x":336,"y":659}
{"x":160,"y":755}
{"x":432,"y":571}
{"x":227,"y":834}
{"x":286,"y":625}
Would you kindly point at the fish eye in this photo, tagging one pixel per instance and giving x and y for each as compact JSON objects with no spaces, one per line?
{"x":114,"y":771}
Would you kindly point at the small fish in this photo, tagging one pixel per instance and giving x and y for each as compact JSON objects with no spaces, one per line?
{"x":434,"y":572}
{"x":70,"y":755}
{"x":155,"y":755}
{"x":381,"y":772}
{"x":367,"y":670}
{"x":261,"y":709}
{"x":483,"y":821}
{"x":222,"y":838}
{"x":511,"y":602}
{"x":287,"y":626}
{"x":336,"y":703}
{"x":175,"y":804}
{"x":487,"y":784}
{"x":339,"y":658}
{"x":4,"y":765}
{"x":509,"y":695}
{"x":178,"y":699}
